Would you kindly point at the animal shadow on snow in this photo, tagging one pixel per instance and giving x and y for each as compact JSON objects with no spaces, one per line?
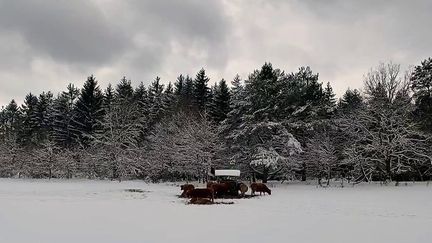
{"x":133,"y":193}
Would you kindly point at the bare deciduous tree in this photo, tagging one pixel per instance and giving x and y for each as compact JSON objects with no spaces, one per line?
{"x":322,"y":157}
{"x":182,"y":146}
{"x":384,"y":79}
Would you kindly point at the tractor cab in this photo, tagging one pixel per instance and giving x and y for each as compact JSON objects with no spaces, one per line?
{"x":230,"y":177}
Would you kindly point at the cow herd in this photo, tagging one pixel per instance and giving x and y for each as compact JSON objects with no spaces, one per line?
{"x":220,"y":190}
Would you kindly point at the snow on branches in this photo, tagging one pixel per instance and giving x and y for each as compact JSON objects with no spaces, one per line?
{"x":385,"y":141}
{"x":266,"y":147}
{"x":182,"y":147}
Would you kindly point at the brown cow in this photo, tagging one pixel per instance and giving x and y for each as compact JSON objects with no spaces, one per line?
{"x":243,"y":189}
{"x":219,"y":189}
{"x":201,"y":193}
{"x":202,"y":201}
{"x":211,"y":183}
{"x":185,"y":188}
{"x":259,"y":187}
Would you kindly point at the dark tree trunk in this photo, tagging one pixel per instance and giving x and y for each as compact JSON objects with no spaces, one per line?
{"x":303,"y":172}
{"x":388,"y":170}
{"x":265,"y":174}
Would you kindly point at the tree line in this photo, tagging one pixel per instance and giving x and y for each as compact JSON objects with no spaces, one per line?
{"x":271,"y":125}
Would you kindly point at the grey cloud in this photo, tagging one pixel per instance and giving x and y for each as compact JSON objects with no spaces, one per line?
{"x":350,"y":10}
{"x":69,"y":31}
{"x":187,"y":18}
{"x":344,"y":38}
{"x":202,"y":25}
{"x":399,"y":21}
{"x":402,"y":25}
{"x":178,"y":32}
{"x":134,"y":38}
{"x":14,"y":51}
{"x":45,"y":44}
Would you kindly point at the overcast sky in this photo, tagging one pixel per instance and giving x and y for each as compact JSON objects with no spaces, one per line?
{"x":46,"y":44}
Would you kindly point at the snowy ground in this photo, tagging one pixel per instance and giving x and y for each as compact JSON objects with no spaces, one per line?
{"x":102,"y":211}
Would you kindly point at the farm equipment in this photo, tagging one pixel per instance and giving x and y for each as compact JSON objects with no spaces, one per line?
{"x":230,"y":178}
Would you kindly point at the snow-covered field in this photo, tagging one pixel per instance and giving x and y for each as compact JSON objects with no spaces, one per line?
{"x":102,"y":211}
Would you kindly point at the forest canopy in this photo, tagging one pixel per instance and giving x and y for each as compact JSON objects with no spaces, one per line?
{"x":271,"y":125}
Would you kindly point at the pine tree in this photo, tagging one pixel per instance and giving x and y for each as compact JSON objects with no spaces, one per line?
{"x":155,"y":89}
{"x":108,"y":97}
{"x":124,"y":90}
{"x":220,"y":102}
{"x":329,"y":96}
{"x":262,"y":88}
{"x":238,"y":105}
{"x":169,"y":99}
{"x":350,"y":101}
{"x":89,"y":110}
{"x":301,"y":95}
{"x":236,"y":85}
{"x":231,"y":128}
{"x":156,"y":105}
{"x":30,"y":123}
{"x":44,"y":112}
{"x":201,"y":90}
{"x":62,"y":118}
{"x":179,"y":90}
{"x":328,"y":106}
{"x":64,"y":132}
{"x":265,"y":148}
{"x":11,"y":122}
{"x":422,"y":86}
{"x":141,"y":98}
{"x":312,"y":87}
{"x":422,"y":78}
{"x":169,"y":89}
{"x":185,"y":98}
{"x":179,"y":85}
{"x":211,"y":106}
{"x":11,"y":157}
{"x":124,"y":94}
